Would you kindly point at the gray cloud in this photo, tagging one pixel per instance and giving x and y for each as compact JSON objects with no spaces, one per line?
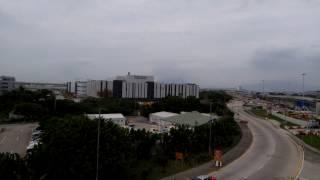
{"x":214,"y":43}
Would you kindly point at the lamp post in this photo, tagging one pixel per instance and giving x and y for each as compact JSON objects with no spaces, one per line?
{"x":262,"y":88}
{"x":210,"y":124}
{"x":303,"y":77}
{"x":98,"y":145}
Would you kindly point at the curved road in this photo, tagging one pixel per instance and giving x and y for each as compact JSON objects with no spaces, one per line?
{"x":272,"y":155}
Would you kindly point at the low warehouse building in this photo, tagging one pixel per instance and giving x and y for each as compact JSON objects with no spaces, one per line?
{"x":191,"y":119}
{"x":115,"y":118}
{"x":159,"y":117}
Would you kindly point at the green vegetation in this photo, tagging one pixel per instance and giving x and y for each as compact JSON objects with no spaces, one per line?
{"x":312,"y":140}
{"x":218,"y":100}
{"x":258,"y":111}
{"x":68,"y":150}
{"x":68,"y":142}
{"x":39,"y":105}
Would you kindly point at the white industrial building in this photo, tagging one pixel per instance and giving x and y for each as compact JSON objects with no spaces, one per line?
{"x":115,"y":118}
{"x":159,"y":117}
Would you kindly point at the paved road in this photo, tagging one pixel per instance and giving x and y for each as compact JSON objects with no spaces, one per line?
{"x":272,"y":155}
{"x":228,"y":158}
{"x":311,"y":170}
{"x":14,"y":138}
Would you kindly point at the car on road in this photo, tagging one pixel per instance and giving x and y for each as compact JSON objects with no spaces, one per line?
{"x":205,"y":177}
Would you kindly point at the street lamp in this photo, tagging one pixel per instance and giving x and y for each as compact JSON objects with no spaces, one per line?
{"x":98,"y":144}
{"x":303,"y":77}
{"x":210,"y":124}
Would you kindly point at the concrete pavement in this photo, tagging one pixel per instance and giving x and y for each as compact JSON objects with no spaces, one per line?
{"x":14,"y":138}
{"x":273,"y":154}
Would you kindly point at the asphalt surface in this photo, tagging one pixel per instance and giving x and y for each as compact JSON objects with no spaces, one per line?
{"x":272,"y":155}
{"x":14,"y":138}
{"x":311,"y":170}
{"x":228,"y":157}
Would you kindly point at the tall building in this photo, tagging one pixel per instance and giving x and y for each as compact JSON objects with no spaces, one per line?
{"x":99,"y":88}
{"x":7,"y":83}
{"x":132,"y":86}
{"x":78,"y":88}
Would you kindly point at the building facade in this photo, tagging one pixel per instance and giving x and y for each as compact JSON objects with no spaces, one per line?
{"x":33,"y":86}
{"x":78,"y":88}
{"x":132,"y":87}
{"x":7,"y":83}
{"x":99,"y":88}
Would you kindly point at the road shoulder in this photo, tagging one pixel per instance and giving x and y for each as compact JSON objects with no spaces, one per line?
{"x":233,"y":154}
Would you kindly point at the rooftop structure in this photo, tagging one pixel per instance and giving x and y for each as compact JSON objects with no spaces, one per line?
{"x":116,"y":118}
{"x":159,"y":117}
{"x":135,"y":78}
{"x":190,"y":118}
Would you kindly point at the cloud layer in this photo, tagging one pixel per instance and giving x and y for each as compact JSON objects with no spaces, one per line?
{"x":214,"y":43}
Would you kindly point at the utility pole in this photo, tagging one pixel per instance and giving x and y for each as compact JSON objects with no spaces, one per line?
{"x":303,"y":76}
{"x":98,"y":145}
{"x":263,"y":88}
{"x":210,"y":124}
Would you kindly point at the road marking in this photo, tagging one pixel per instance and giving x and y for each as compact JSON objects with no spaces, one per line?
{"x":239,"y":158}
{"x":3,"y":139}
{"x":299,"y":147}
{"x":288,"y":134}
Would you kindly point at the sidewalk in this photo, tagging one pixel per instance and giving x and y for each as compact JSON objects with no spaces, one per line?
{"x":230,"y":156}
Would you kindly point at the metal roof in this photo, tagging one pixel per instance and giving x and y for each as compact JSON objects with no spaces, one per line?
{"x":105,"y":116}
{"x":164,"y":114}
{"x":189,"y":118}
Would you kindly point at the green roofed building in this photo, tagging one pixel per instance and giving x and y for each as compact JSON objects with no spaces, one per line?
{"x":190,"y":118}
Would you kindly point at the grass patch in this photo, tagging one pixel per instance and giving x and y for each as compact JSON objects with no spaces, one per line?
{"x":312,"y":140}
{"x":264,"y":114}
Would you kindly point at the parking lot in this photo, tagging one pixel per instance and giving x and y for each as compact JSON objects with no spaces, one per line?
{"x":14,"y":138}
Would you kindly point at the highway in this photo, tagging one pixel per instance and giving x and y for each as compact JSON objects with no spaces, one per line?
{"x":272,"y":154}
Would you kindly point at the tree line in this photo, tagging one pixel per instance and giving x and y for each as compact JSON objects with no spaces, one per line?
{"x":69,"y":144}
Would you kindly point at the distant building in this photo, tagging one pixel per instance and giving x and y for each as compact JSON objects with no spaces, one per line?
{"x":191,"y":119}
{"x":132,"y":87}
{"x":7,"y":83}
{"x":99,"y":88}
{"x":78,"y":88}
{"x":34,"y":86}
{"x":115,"y":118}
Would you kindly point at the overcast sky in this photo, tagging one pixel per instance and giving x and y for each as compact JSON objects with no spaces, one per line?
{"x":215,"y":43}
